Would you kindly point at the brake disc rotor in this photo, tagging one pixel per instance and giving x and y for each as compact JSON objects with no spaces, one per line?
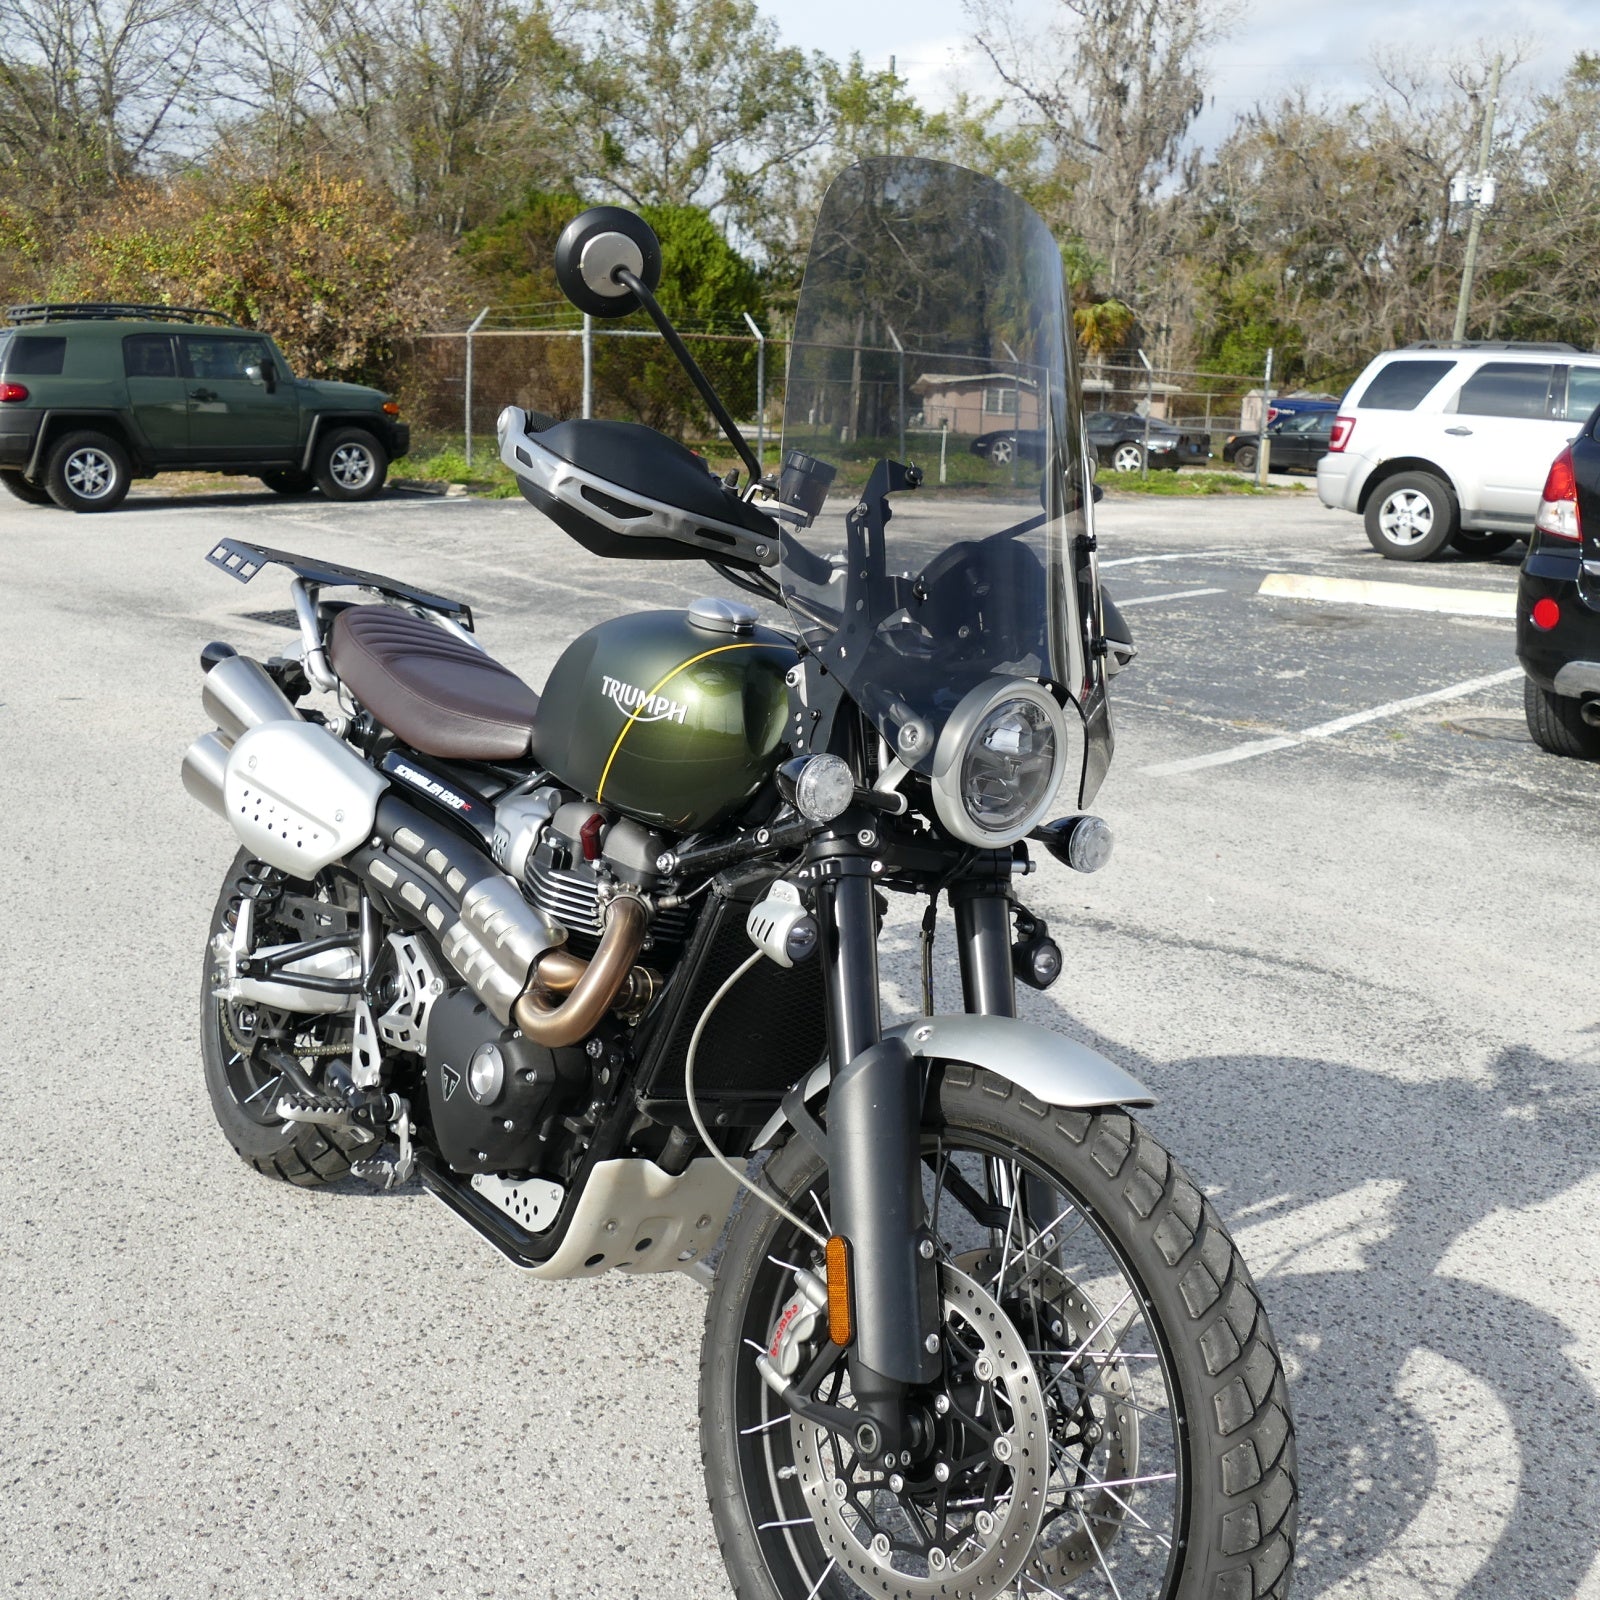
{"x":971,"y":1533}
{"x":1094,"y":1437}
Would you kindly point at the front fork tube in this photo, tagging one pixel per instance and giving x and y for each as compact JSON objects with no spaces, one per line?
{"x":875,"y":1160}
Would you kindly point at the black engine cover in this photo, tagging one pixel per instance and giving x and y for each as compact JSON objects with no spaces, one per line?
{"x":508,"y":1129}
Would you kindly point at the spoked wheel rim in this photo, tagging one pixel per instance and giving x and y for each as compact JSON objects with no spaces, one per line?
{"x":1406,"y":517}
{"x":1127,"y":458}
{"x":1112,"y":1516}
{"x":1001,"y":452}
{"x":352,"y":466}
{"x":90,"y":473}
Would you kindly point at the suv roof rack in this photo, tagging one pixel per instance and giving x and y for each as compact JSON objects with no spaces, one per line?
{"x":1533,"y":346}
{"x":109,"y":310}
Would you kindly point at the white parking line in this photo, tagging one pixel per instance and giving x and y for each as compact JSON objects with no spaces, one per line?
{"x":1177,"y":594}
{"x":1175,"y":555}
{"x":1326,"y":730}
{"x":1394,"y":596}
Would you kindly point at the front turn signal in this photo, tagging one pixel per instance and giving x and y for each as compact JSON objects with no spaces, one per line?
{"x":840,"y":1325}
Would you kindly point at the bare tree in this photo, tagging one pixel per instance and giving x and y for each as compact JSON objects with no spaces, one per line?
{"x":1118,"y":85}
{"x":92,"y":91}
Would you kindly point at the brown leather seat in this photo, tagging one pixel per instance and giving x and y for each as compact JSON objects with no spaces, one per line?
{"x":440,"y":696}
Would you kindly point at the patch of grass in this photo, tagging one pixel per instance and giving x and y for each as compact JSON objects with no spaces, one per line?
{"x":446,"y":462}
{"x":1181,"y":483}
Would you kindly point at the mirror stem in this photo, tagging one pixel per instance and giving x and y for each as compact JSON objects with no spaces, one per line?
{"x":674,"y":343}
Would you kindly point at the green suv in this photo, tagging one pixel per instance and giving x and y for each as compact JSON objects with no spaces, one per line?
{"x":94,"y":396}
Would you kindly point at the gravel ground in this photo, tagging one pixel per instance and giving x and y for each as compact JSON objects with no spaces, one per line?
{"x":1351,"y":967}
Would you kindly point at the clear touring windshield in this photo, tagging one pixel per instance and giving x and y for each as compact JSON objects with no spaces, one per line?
{"x":932,"y":422}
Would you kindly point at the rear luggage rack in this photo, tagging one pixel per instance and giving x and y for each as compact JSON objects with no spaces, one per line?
{"x":109,"y":310}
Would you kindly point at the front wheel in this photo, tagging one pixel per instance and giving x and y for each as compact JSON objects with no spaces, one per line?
{"x":1112,"y":1415}
{"x":350,"y":465}
{"x":1245,"y":458}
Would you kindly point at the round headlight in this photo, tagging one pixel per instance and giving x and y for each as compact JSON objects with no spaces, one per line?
{"x":999,"y":762}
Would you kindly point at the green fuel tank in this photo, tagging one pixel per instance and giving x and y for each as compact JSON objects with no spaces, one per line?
{"x":672,"y":717}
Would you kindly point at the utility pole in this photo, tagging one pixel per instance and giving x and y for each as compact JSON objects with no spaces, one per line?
{"x":1264,"y":439}
{"x":477,"y":322}
{"x":1481,"y":190}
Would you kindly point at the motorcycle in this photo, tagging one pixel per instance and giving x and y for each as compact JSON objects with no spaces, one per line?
{"x":600,"y":965}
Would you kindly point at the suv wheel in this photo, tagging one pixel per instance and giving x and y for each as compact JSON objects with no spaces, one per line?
{"x":289,"y":481}
{"x":87,"y":472}
{"x":1411,"y":517}
{"x":1127,"y":457}
{"x":23,"y":490}
{"x":1555,"y":722}
{"x":351,"y":465}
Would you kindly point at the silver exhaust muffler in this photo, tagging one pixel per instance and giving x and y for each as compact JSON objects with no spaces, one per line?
{"x":204,"y":763}
{"x":238,"y":694}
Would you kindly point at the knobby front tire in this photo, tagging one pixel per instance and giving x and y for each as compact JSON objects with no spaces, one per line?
{"x":1189,"y":1488}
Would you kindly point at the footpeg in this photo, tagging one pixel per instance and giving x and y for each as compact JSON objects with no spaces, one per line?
{"x":322,"y":1110}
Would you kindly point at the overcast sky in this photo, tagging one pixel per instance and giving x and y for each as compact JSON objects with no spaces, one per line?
{"x":1326,"y":44}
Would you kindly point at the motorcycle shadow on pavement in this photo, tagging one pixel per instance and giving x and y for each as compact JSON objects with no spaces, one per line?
{"x":1449,"y":1430}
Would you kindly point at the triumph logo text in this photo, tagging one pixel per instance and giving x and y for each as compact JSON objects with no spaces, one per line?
{"x":642,"y":707}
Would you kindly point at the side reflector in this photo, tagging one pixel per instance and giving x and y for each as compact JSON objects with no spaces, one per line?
{"x":1546,"y":614}
{"x":840,"y":1327}
{"x":13,"y":391}
{"x":390,"y":409}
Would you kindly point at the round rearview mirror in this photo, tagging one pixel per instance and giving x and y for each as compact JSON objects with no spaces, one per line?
{"x":594,"y":247}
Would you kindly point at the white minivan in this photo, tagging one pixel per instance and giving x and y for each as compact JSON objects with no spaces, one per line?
{"x":1442,"y":444}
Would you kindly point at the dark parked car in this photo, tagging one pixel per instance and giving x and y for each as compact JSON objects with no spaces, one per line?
{"x":1116,"y":437}
{"x":1299,"y":441}
{"x":1558,"y":605}
{"x":94,"y":396}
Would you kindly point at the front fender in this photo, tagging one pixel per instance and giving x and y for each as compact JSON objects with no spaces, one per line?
{"x":1049,"y":1066}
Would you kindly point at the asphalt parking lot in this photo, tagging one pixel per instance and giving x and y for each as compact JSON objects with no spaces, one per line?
{"x":1346,"y":938}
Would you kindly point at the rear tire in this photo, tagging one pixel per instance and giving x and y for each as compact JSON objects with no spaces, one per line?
{"x":1555,"y":722}
{"x":292,"y":1152}
{"x":289,"y":482}
{"x":351,"y":465}
{"x":1470,"y":542}
{"x":1226,"y":1426}
{"x":1245,"y":458}
{"x":1411,"y":517}
{"x":1127,"y":457}
{"x":29,"y":493}
{"x":87,"y":472}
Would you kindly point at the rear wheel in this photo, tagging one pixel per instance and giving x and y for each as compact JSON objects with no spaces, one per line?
{"x":87,"y":472}
{"x":1245,"y":458}
{"x":1127,"y":457}
{"x":239,"y":1039}
{"x":289,"y":481}
{"x":1111,"y":1417}
{"x":31,"y":493}
{"x":1471,"y":542}
{"x":1555,"y":722}
{"x":1411,"y":517}
{"x":1002,"y":452}
{"x":351,"y":465}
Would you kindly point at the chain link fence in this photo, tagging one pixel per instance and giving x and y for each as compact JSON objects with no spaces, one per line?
{"x":455,"y":384}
